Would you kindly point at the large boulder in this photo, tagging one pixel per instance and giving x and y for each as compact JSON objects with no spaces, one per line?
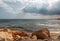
{"x":41,"y":34}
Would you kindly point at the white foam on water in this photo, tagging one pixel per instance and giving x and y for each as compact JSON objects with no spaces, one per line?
{"x":54,"y":30}
{"x":48,"y":24}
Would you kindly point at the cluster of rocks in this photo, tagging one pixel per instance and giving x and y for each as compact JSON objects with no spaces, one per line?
{"x":19,"y":35}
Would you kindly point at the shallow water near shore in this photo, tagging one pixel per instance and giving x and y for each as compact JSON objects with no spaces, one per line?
{"x":31,"y":25}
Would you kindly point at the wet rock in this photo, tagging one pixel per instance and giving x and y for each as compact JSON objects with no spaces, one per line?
{"x":41,"y":34}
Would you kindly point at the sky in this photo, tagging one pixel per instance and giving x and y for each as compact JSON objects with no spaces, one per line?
{"x":29,"y":9}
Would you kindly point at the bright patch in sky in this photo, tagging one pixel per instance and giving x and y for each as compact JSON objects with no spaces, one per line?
{"x":29,"y":9}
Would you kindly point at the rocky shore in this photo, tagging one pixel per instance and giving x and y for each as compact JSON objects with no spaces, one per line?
{"x":43,"y":34}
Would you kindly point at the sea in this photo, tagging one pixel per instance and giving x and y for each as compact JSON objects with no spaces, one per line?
{"x":31,"y":25}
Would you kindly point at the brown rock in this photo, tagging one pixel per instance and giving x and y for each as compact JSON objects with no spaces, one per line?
{"x":7,"y":36}
{"x":18,"y":34}
{"x":58,"y":37}
{"x":34,"y":37}
{"x":12,"y":35}
{"x":41,"y":34}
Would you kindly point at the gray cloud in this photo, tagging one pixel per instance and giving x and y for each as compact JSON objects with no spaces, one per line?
{"x":55,"y":9}
{"x":35,"y":8}
{"x":29,"y":9}
{"x":14,"y":5}
{"x":4,"y":14}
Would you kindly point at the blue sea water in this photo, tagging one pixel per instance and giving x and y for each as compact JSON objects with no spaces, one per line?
{"x":31,"y":24}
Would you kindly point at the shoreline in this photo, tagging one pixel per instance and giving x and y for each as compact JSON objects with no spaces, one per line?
{"x":53,"y":36}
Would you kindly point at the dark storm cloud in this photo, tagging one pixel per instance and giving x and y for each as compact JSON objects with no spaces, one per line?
{"x":35,"y":10}
{"x":31,"y":10}
{"x":55,"y":9}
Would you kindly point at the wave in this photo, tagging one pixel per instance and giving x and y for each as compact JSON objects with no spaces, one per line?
{"x":50,"y":25}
